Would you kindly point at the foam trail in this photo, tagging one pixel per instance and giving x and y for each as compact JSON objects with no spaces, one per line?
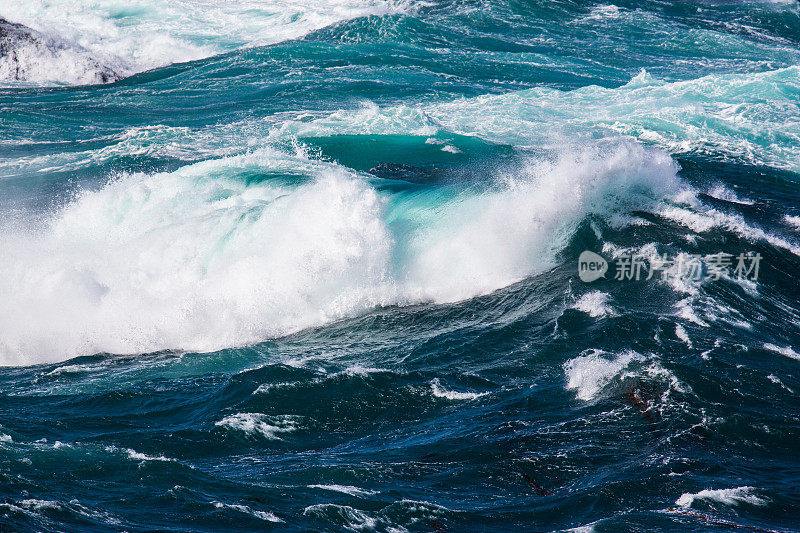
{"x":205,"y":257}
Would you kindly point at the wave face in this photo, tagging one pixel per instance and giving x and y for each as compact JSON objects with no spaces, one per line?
{"x":314,"y":265}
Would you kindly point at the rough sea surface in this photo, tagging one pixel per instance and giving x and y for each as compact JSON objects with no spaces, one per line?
{"x":312,"y":265}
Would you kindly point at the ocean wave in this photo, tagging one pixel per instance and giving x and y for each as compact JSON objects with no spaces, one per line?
{"x":137,"y":456}
{"x":397,"y":517}
{"x":787,"y":351}
{"x":593,"y":373}
{"x":238,"y":250}
{"x":702,"y":219}
{"x":748,"y":117}
{"x":140,"y":35}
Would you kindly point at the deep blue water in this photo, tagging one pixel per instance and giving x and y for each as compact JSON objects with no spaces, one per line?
{"x":314,"y":266}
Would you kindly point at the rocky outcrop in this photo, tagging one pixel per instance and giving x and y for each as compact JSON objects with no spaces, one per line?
{"x":30,"y":56}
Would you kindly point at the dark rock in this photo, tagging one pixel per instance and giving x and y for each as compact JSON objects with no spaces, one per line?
{"x":16,"y":37}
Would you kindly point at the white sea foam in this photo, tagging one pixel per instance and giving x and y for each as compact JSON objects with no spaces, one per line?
{"x":595,"y":304}
{"x":352,"y":519}
{"x":733,"y":496}
{"x":680,"y":332}
{"x":589,"y":374}
{"x":73,"y":369}
{"x":200,"y":259}
{"x":722,"y":192}
{"x":266,"y":387}
{"x":38,"y":505}
{"x":775,"y":379}
{"x":33,"y":507}
{"x":701,"y":220}
{"x":793,"y":221}
{"x":36,"y":57}
{"x":440,"y":392}
{"x":672,"y":116}
{"x":137,"y":456}
{"x":137,"y":35}
{"x":259,"y":424}
{"x":263,"y":515}
{"x":589,"y":528}
{"x":685,"y":308}
{"x":361,"y":370}
{"x":602,"y":12}
{"x":345,"y":489}
{"x":787,"y":351}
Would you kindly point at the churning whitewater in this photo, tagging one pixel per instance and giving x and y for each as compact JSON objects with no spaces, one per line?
{"x":315,"y":265}
{"x":200,"y":259}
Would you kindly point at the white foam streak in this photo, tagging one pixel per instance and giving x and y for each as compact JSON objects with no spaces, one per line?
{"x":704,"y":220}
{"x":681,"y":333}
{"x":733,"y":496}
{"x":345,"y":489}
{"x":262,"y":515}
{"x":786,"y":351}
{"x":440,"y":392}
{"x":793,"y":221}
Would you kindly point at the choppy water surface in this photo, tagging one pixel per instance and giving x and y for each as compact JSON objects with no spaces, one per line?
{"x":313,"y":266}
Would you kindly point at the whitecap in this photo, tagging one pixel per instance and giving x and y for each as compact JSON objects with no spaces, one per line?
{"x":266,"y":426}
{"x":595,"y":304}
{"x":345,"y":489}
{"x":262,"y":515}
{"x":440,"y":392}
{"x":793,"y":221}
{"x":590,"y":373}
{"x":787,"y":351}
{"x":733,"y":496}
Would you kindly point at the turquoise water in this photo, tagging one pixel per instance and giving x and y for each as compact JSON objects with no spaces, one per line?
{"x":314,"y":266}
